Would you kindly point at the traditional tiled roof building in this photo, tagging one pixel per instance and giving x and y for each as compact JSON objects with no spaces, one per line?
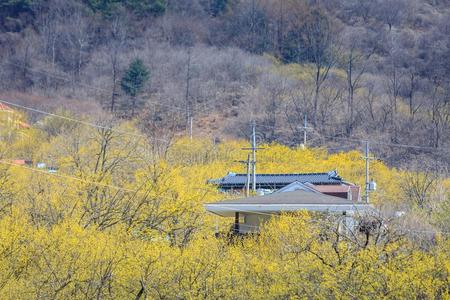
{"x":233,"y":181}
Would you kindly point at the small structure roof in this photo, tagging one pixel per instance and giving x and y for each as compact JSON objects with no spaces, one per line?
{"x":7,"y":109}
{"x":24,"y":125}
{"x":19,"y":161}
{"x":296,"y":186}
{"x":4,"y":107}
{"x":295,"y":197}
{"x":287,"y":201}
{"x":333,"y":188}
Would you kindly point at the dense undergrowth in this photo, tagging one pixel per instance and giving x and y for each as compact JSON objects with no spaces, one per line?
{"x":123,"y":218}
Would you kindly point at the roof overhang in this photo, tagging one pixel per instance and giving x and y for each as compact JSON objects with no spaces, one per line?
{"x":229,"y":210}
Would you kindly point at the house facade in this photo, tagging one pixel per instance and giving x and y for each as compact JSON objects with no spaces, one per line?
{"x":328,"y":183}
{"x":323,"y":192}
{"x":251,"y":212}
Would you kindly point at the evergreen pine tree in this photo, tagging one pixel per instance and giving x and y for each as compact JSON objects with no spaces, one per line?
{"x":134,"y":80}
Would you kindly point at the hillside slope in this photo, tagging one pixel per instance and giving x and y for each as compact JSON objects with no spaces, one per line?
{"x":357,"y":70}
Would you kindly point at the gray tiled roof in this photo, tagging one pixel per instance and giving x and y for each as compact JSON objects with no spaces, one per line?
{"x":237,"y":180}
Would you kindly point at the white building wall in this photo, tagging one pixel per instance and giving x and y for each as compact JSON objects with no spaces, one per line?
{"x":252,"y":222}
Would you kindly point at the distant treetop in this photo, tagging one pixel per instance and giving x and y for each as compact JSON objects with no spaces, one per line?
{"x":135,"y":77}
{"x":138,"y":7}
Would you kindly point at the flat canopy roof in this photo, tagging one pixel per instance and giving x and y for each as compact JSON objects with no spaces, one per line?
{"x":283,"y":202}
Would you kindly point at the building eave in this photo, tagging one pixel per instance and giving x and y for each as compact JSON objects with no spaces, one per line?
{"x":228,"y":210}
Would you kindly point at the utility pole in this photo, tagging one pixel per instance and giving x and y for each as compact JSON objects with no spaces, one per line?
{"x":254,"y":156}
{"x":305,"y":129}
{"x":254,"y":148}
{"x":367,"y":159}
{"x":247,"y":162}
{"x":247,"y":183}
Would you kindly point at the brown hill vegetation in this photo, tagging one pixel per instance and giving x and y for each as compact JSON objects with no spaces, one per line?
{"x":358,"y":70}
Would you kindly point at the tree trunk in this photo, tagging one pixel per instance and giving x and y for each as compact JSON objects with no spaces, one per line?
{"x":188,"y":81}
{"x":133,"y":106}
{"x":350,"y":96}
{"x":411,"y":95}
{"x":316,"y":95}
{"x":114,"y":76}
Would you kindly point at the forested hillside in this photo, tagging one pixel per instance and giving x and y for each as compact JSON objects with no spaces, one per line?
{"x":358,"y":70}
{"x":114,"y":114}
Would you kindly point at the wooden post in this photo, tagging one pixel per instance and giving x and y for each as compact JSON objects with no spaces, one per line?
{"x":247,"y":185}
{"x":190,"y":128}
{"x":367,"y":171}
{"x":254,"y":156}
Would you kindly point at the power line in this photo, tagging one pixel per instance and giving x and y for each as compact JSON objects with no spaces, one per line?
{"x":386,"y":144}
{"x":359,"y":140}
{"x":60,"y":77}
{"x":100,"y":89}
{"x":254,"y":149}
{"x":182,"y":109}
{"x":80,"y":121}
{"x":64,"y":176}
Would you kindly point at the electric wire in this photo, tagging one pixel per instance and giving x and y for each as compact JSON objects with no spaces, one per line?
{"x":80,"y":121}
{"x":100,"y":89}
{"x":64,"y":176}
{"x":359,"y":140}
{"x":140,"y":135}
{"x":259,"y":125}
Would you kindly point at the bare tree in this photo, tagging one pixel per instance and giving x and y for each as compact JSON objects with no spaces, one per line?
{"x":355,"y":63}
{"x":50,"y":27}
{"x":187,"y":97}
{"x":393,"y":82}
{"x":275,"y":91}
{"x":391,"y":12}
{"x":79,"y":35}
{"x":318,"y":34}
{"x":418,"y":186}
{"x":440,"y":110}
{"x":117,"y":35}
